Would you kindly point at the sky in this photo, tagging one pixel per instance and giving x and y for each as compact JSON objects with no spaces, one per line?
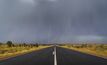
{"x":49,"y":21}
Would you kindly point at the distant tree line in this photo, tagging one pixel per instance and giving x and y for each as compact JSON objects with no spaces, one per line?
{"x":94,"y":46}
{"x":11,"y":44}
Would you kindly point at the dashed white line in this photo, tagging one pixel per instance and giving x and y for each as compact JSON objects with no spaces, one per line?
{"x":55,"y":58}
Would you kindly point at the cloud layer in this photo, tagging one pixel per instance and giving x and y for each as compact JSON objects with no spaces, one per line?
{"x":53,"y":20}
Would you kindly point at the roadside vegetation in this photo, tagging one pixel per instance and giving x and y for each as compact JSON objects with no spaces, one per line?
{"x":93,"y":49}
{"x":10,"y":49}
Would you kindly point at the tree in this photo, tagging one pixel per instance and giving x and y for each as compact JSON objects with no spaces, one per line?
{"x":37,"y":45}
{"x":1,"y":43}
{"x":9,"y":43}
{"x":24,"y":44}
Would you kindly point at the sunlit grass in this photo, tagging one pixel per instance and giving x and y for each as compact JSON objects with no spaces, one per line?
{"x":93,"y":49}
{"x":6,"y":52}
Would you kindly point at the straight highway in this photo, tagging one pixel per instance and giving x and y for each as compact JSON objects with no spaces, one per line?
{"x":55,"y":56}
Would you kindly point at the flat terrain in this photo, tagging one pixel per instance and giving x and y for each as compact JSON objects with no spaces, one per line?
{"x":7,"y":52}
{"x":40,"y":57}
{"x":71,"y":57}
{"x":99,"y":50}
{"x":46,"y":57}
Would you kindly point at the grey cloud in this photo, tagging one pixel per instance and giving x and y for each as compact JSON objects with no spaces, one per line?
{"x":53,"y":20}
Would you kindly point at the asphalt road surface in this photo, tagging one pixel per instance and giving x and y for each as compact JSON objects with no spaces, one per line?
{"x":70,"y":57}
{"x":41,"y":57}
{"x":63,"y":57}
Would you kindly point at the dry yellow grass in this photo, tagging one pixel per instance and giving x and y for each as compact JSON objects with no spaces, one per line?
{"x":14,"y":51}
{"x":90,"y":50}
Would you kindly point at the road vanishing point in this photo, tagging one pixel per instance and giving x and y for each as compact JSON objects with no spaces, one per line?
{"x":55,"y":56}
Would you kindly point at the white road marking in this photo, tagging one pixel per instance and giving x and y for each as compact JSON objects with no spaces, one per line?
{"x":55,"y":58}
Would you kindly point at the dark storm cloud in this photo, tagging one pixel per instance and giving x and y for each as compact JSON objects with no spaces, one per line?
{"x":53,"y":20}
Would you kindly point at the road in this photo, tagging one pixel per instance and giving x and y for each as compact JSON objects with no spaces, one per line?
{"x":41,"y":57}
{"x":70,"y":57}
{"x":63,"y":57}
